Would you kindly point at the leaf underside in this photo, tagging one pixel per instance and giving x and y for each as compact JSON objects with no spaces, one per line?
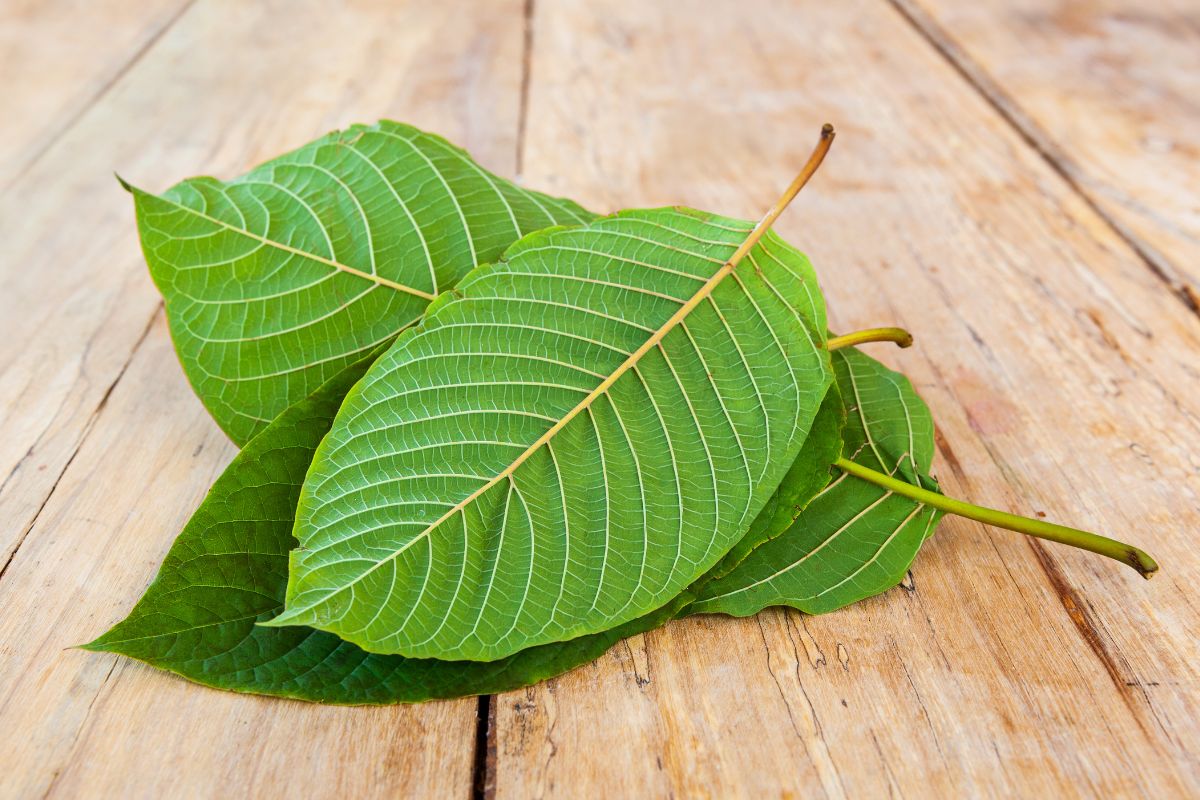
{"x":276,"y":280}
{"x":228,"y":569}
{"x":438,"y":520}
{"x":855,"y":539}
{"x":278,"y":283}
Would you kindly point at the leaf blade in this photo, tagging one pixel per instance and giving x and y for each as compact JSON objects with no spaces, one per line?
{"x":228,"y":569}
{"x":275,"y":280}
{"x":403,"y":582}
{"x":854,"y":540}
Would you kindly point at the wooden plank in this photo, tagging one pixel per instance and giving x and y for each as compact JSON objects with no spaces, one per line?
{"x":1062,"y":375}
{"x":74,"y":295}
{"x":1107,"y":90}
{"x":103,"y":726}
{"x":57,"y":57}
{"x":120,"y":451}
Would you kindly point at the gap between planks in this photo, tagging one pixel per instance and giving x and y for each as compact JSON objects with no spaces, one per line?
{"x":88,"y":427}
{"x":1041,"y":142}
{"x":99,"y":94}
{"x":528,"y":11}
{"x":483,"y":768}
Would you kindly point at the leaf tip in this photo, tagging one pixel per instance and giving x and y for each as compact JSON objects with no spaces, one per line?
{"x":126,"y":185}
{"x":97,"y":645}
{"x":284,"y":619}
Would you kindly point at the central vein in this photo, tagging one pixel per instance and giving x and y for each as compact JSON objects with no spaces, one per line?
{"x":654,"y":339}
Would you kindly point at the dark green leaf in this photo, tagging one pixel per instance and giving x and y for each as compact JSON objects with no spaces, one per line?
{"x":228,"y":569}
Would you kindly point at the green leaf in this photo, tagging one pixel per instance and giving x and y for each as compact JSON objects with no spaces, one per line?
{"x":855,"y":539}
{"x":809,"y":474}
{"x":228,"y":569}
{"x":575,"y":436}
{"x":275,"y":281}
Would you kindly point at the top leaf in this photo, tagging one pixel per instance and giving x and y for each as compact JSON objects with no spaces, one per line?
{"x":276,"y":280}
{"x":565,"y":442}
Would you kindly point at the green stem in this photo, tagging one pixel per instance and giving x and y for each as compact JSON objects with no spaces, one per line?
{"x":1126,"y":554}
{"x":898,"y":335}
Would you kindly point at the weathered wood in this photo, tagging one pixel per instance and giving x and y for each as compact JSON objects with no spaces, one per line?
{"x":1107,"y":89}
{"x":1059,"y":367}
{"x":1062,"y":375}
{"x":95,"y":725}
{"x":107,"y":451}
{"x":230,"y":85}
{"x":57,"y":57}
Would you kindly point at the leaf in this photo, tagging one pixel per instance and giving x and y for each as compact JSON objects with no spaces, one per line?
{"x":228,"y":569}
{"x":564,"y":444}
{"x":275,"y":281}
{"x":804,"y":480}
{"x":855,"y":539}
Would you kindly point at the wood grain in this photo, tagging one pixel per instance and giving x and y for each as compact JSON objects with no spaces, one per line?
{"x":1108,"y":91}
{"x":1060,"y":369}
{"x":107,"y":451}
{"x":58,"y":57}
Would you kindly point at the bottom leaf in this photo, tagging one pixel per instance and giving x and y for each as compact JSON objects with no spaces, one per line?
{"x":228,"y":569}
{"x":855,"y":539}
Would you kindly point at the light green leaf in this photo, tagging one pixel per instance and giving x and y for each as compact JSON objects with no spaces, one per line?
{"x":855,"y":539}
{"x":575,"y":436}
{"x":228,"y":569}
{"x":275,"y":281}
{"x":809,"y":474}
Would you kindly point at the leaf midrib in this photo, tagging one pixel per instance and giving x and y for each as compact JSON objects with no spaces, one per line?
{"x":602,"y":388}
{"x":296,"y":251}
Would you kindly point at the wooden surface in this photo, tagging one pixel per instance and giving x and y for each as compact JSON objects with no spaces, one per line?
{"x":1015,"y":183}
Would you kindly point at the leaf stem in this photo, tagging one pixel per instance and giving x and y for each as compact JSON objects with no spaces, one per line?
{"x":789,"y":194}
{"x":901,"y":337}
{"x":1126,"y":554}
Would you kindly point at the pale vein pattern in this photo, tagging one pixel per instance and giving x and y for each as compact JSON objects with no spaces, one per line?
{"x":228,"y":569}
{"x":854,"y":539}
{"x":276,"y":280}
{"x":418,"y":537}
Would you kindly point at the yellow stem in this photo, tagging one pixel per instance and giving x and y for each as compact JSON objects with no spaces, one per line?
{"x":898,"y":335}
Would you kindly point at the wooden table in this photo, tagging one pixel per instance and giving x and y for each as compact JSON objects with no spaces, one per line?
{"x":1018,"y":183}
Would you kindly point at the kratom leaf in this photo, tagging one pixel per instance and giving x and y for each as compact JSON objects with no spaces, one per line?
{"x":855,"y":539}
{"x":275,"y":281}
{"x":809,"y":474}
{"x":228,"y":569}
{"x":575,"y":436}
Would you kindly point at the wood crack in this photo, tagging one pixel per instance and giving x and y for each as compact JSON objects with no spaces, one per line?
{"x":1033,"y":135}
{"x":79,"y":730}
{"x":526,"y":74}
{"x":483,"y":775}
{"x":1091,"y":635}
{"x":87,"y":430}
{"x":100,"y":93}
